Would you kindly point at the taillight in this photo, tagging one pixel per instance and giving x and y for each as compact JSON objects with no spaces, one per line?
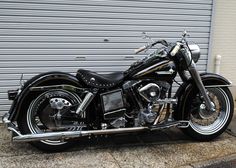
{"x":12,"y":94}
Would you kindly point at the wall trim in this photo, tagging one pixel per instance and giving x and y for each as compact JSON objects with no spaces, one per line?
{"x":210,"y":56}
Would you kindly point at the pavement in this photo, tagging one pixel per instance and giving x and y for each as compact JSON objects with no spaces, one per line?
{"x":232,"y":127}
{"x":167,"y":148}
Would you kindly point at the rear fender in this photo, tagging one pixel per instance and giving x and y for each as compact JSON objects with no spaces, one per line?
{"x":44,"y":79}
{"x":208,"y":79}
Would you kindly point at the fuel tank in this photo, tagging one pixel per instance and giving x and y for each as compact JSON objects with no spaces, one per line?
{"x":153,"y":68}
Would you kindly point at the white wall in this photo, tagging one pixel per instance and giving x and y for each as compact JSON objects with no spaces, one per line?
{"x":59,"y":35}
{"x":224,"y":39}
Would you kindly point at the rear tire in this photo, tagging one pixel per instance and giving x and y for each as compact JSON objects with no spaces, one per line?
{"x":41,"y":145}
{"x":206,"y":128}
{"x":27,"y":122}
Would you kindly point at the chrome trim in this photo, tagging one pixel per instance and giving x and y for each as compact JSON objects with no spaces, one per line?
{"x":14,"y":130}
{"x":160,"y":113}
{"x":178,"y":124}
{"x":194,"y":47}
{"x":198,"y":81}
{"x":183,"y":126}
{"x":59,"y":103}
{"x":64,"y":87}
{"x":84,"y":104}
{"x":5,"y":119}
{"x":21,"y":80}
{"x":72,"y":134}
{"x":171,"y":71}
{"x":164,"y":73}
{"x":212,"y":86}
{"x":146,"y":87}
{"x":76,"y":134}
{"x":175,"y":49}
{"x":115,"y":111}
{"x":111,"y":91}
{"x":157,"y":64}
{"x":195,"y":51}
{"x":166,"y":100}
{"x":19,"y":91}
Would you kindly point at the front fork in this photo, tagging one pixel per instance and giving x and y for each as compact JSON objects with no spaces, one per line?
{"x":198,"y":81}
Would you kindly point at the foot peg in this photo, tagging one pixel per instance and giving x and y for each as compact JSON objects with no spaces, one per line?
{"x":183,"y":124}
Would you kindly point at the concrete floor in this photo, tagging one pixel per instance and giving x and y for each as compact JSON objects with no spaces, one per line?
{"x":167,"y":148}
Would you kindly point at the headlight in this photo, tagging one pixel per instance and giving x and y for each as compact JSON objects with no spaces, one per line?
{"x":195,"y":50}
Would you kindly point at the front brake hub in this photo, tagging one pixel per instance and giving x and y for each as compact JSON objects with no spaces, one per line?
{"x":204,"y":112}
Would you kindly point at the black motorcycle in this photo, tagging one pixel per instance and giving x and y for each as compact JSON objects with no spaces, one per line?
{"x":52,"y":109}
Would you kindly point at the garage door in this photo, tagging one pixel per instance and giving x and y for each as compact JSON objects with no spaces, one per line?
{"x":100,"y":35}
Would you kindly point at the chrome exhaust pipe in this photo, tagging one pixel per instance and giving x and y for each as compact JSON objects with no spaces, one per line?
{"x":76,"y":134}
{"x":70,"y":134}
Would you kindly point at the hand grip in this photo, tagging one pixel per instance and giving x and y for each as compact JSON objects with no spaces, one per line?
{"x":175,"y":50}
{"x":136,"y":51}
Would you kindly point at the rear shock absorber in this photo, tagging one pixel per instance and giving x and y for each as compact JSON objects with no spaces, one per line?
{"x":86,"y":101}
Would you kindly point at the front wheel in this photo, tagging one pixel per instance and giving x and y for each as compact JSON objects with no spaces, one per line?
{"x":206,"y":126}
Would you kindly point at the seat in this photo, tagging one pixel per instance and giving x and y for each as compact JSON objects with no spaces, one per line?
{"x":100,"y":80}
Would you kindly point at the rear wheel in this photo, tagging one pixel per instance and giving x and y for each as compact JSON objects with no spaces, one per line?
{"x":203,"y":125}
{"x":45,"y":113}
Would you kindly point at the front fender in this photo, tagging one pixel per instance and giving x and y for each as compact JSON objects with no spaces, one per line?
{"x":207,"y":79}
{"x":43,"y":79}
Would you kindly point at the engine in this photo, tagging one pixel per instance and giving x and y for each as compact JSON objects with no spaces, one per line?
{"x":150,"y":94}
{"x":136,"y":103}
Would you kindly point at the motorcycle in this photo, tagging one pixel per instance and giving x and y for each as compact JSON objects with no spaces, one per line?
{"x":53,"y":109}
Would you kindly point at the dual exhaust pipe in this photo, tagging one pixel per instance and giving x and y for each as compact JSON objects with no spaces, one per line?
{"x":83,"y":133}
{"x":76,"y":134}
{"x":70,"y":134}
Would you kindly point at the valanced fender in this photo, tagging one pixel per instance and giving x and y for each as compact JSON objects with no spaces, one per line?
{"x":44,"y":79}
{"x":208,"y":79}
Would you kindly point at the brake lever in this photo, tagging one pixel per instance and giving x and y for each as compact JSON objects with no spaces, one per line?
{"x":164,"y":43}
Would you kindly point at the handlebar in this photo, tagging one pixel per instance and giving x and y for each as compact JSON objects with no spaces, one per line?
{"x":163,"y":42}
{"x":176,"y":47}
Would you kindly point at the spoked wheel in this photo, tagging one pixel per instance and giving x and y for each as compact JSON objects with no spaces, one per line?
{"x":205,"y":125}
{"x":48,"y":112}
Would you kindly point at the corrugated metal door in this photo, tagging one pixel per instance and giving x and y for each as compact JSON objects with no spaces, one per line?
{"x":64,"y":35}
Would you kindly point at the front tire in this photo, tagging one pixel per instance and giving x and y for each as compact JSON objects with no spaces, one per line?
{"x":207,"y":127}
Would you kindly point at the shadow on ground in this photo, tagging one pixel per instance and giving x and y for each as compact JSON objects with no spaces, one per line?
{"x":102,"y":142}
{"x":133,"y":140}
{"x":167,"y":148}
